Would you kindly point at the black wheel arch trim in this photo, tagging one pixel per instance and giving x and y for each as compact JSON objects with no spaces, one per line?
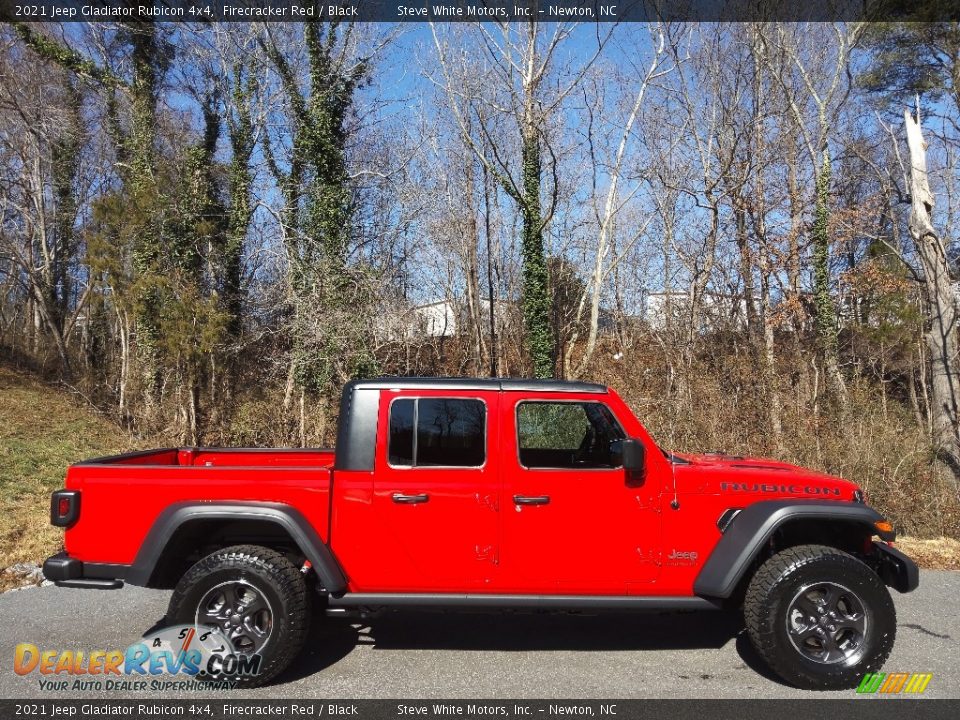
{"x":755,"y":524}
{"x":287,"y":517}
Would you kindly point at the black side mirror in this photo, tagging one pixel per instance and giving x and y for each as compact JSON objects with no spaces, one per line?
{"x":633,"y":457}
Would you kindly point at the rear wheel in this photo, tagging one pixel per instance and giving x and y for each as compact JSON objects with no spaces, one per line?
{"x":819,"y":617}
{"x":255,"y":597}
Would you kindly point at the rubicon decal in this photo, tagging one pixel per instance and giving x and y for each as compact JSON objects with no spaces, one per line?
{"x":894,"y":683}
{"x":780,"y":489}
{"x":197,"y":653}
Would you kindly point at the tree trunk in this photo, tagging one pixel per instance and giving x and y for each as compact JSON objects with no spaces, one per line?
{"x":123,"y":330}
{"x":796,"y":219}
{"x":746,"y":272}
{"x":471,"y":271}
{"x":774,"y":401}
{"x":701,"y":275}
{"x":241,"y":133}
{"x":491,"y":300}
{"x":536,"y":293}
{"x":770,"y":371}
{"x":824,"y":306}
{"x":941,"y":306}
{"x":139,"y":146}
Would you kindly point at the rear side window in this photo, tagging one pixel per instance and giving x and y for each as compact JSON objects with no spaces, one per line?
{"x":401,"y":432}
{"x":437,"y":432}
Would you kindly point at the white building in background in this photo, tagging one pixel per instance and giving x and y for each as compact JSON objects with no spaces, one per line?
{"x":445,"y":318}
{"x":398,"y":321}
{"x":661,"y":307}
{"x":435,"y":319}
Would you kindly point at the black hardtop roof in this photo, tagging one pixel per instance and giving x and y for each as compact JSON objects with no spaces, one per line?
{"x":456,"y":383}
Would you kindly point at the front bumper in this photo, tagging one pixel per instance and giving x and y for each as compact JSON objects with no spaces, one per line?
{"x":66,"y":571}
{"x":896,"y":569}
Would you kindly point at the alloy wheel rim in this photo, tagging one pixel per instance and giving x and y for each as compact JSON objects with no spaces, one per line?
{"x":827,"y":623}
{"x":242,"y":613}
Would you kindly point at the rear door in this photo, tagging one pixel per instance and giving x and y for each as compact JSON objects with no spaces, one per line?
{"x":436,"y":490}
{"x":573,"y":522}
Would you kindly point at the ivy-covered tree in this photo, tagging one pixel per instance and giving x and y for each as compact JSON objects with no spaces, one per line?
{"x":536,"y":288}
{"x":136,"y":154}
{"x":329,"y":333}
{"x":242,"y":141}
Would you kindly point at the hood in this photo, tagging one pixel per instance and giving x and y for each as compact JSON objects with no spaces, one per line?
{"x":740,"y":475}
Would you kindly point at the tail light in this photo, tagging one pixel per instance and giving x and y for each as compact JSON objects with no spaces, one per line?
{"x":64,"y":508}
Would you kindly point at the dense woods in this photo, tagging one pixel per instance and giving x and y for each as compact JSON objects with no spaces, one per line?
{"x":748,"y":230}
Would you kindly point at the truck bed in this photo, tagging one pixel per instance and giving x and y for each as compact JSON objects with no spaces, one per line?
{"x":221,"y":457}
{"x":123,"y":495}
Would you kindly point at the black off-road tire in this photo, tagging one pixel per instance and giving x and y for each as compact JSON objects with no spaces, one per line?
{"x":779,"y":582}
{"x":270,"y":573}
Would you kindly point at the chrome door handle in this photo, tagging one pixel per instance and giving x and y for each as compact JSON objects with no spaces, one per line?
{"x":410,"y":499}
{"x":531,"y":499}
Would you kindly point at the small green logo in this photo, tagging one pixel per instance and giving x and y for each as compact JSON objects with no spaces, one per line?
{"x":894,"y":683}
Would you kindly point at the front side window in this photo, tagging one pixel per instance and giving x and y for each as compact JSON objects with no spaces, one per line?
{"x":437,"y":432}
{"x":567,"y":435}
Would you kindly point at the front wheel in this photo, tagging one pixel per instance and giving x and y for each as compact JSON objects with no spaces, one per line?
{"x":255,"y":598}
{"x":819,"y":617}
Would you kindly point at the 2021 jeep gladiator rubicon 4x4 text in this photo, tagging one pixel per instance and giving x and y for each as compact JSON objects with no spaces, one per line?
{"x":517,"y":494}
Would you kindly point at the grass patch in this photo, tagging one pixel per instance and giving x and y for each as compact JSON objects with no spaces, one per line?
{"x":42,"y":431}
{"x":935,"y":554}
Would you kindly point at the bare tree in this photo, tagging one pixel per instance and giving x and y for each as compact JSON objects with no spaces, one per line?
{"x":941,"y":303}
{"x":613,"y":202}
{"x":823,"y":86}
{"x":522,"y":60}
{"x":39,"y":198}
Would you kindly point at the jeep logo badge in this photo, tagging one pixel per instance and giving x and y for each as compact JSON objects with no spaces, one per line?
{"x":682,"y":557}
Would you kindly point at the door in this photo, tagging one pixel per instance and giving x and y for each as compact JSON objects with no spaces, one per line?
{"x":436,"y":491}
{"x":574,"y":522}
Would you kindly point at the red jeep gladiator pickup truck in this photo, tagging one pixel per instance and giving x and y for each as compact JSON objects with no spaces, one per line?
{"x":500,"y":493}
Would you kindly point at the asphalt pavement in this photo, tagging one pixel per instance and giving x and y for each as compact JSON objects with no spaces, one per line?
{"x":433,"y":655}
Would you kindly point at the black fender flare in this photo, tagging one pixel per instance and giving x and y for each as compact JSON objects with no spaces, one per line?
{"x":752,"y":527}
{"x":288,"y":518}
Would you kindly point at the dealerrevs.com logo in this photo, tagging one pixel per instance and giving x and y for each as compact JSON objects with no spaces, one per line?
{"x":894,"y":683}
{"x":191,"y":657}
